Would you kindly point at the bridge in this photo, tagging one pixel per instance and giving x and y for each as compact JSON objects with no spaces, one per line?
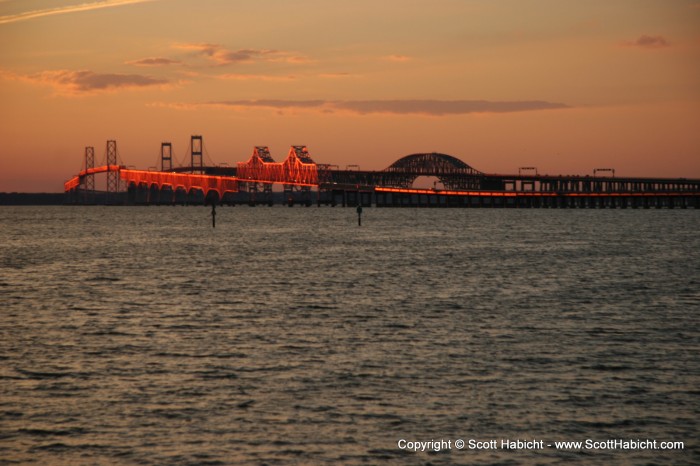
{"x":461,"y":185}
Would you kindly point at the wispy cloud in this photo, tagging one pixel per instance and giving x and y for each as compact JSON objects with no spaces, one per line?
{"x":223,"y":56}
{"x":154,"y":61}
{"x":397,"y":58}
{"x":67,"y":82}
{"x":86,"y":6}
{"x":443,"y":107}
{"x":394,"y":107}
{"x":255,"y":77}
{"x":338,"y":75}
{"x":648,"y":42}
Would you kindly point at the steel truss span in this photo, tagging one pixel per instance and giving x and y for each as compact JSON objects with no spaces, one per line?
{"x":299,"y":170}
{"x":451,"y":172}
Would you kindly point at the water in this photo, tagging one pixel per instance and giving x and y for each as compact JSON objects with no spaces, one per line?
{"x":144,"y":336}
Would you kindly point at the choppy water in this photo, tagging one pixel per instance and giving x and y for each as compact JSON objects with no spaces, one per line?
{"x":143,"y":336}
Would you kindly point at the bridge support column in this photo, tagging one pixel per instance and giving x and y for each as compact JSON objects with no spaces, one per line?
{"x":166,"y":157}
{"x":306,"y":196}
{"x":252,"y":191}
{"x":89,"y":192}
{"x":267,"y":193}
{"x":196,"y":154}
{"x":112,"y":176}
{"x":142,"y":193}
{"x":166,"y":195}
{"x":153,"y":195}
{"x":131,"y":194}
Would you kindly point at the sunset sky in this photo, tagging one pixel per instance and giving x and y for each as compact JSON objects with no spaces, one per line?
{"x":563,"y":85}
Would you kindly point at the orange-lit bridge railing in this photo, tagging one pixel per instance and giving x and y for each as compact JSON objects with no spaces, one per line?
{"x":185,"y":181}
{"x":297,"y":169}
{"x":76,"y":181}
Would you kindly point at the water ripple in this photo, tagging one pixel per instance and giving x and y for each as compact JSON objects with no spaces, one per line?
{"x":293,"y":336}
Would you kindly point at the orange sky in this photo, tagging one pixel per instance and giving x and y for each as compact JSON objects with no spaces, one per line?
{"x":563,"y":85}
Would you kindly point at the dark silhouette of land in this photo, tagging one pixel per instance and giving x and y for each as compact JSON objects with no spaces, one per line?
{"x":32,"y":198}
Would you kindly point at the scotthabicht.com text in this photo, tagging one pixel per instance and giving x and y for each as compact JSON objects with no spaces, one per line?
{"x":537,"y":444}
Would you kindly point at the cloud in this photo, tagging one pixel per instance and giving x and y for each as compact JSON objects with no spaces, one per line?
{"x":442,"y":107}
{"x":288,"y":57}
{"x":397,"y":58}
{"x":174,"y":105}
{"x":87,"y":6}
{"x":393,"y":107}
{"x":154,"y":61}
{"x":648,"y":42}
{"x":271,"y":103}
{"x":255,"y":77}
{"x":338,"y":75}
{"x":87,"y":82}
{"x":223,"y":56}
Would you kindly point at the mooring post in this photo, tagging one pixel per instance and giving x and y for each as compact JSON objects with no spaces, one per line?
{"x":359,"y":214}
{"x":213,"y":214}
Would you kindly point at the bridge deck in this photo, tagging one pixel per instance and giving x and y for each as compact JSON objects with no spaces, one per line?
{"x":455,"y":178}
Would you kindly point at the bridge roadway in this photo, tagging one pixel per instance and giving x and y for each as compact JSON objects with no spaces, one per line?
{"x":460,"y":184}
{"x":174,"y":180}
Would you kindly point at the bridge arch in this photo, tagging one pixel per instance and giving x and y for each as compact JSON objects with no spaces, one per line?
{"x":212,"y":197}
{"x":195,"y":195}
{"x":432,"y":164}
{"x":452,"y":172}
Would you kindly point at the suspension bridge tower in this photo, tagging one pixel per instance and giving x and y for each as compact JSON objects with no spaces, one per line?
{"x":89,"y":193}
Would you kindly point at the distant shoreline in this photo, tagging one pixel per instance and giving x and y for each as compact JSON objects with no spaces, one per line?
{"x":32,"y":199}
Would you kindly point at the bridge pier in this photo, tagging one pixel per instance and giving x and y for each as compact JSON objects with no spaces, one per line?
{"x":180,"y":196}
{"x":212,"y":197}
{"x":131,"y":194}
{"x":195,"y":197}
{"x":351,"y":197}
{"x":462,"y":185}
{"x":153,"y":194}
{"x":166,"y":196}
